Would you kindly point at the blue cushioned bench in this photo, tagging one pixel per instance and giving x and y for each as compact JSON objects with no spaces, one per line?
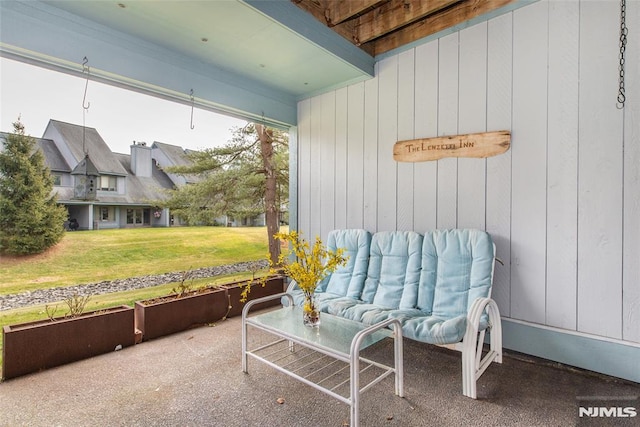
{"x":438,"y":284}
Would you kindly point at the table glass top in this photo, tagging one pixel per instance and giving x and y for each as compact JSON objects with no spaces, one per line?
{"x":334,"y":333}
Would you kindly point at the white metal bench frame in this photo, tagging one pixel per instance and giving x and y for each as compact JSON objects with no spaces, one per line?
{"x":472,"y":344}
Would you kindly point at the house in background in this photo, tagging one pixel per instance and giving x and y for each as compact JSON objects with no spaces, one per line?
{"x":102,"y":189}
{"x":99,"y":188}
{"x":168,"y":155}
{"x":125,"y":186}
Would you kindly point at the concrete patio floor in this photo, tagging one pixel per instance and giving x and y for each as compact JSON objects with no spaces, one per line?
{"x":194,"y":378}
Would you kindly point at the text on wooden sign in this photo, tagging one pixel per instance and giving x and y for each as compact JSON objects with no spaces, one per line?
{"x":479,"y":145}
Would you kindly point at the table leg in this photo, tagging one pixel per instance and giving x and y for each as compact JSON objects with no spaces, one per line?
{"x":244,"y":344}
{"x":398,"y":358}
{"x":355,"y":387}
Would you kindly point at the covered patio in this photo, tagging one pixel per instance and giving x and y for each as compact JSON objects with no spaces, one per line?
{"x":195,"y":378}
{"x":562,"y":204}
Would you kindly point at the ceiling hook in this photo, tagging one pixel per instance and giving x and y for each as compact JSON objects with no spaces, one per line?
{"x":192,"y":104}
{"x":85,"y":69}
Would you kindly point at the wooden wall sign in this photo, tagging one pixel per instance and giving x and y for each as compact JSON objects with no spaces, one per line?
{"x":480,"y":145}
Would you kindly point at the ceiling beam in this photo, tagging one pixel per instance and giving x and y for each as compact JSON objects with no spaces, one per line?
{"x":319,"y":10}
{"x":380,"y":26}
{"x":338,"y":11}
{"x":447,"y":18}
{"x":393,"y":15}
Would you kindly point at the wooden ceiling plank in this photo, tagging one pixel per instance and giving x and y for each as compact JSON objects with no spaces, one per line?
{"x":394,"y":15}
{"x":340,"y":11}
{"x":313,"y":7}
{"x":432,"y":24}
{"x":318,"y":10}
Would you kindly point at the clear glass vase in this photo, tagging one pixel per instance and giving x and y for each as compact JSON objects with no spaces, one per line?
{"x":311,"y":313}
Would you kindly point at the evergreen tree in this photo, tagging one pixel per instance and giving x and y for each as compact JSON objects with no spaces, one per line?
{"x":246,"y":177}
{"x":30,"y":219}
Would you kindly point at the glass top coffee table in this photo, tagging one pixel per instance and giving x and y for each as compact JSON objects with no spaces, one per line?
{"x":326,"y":357}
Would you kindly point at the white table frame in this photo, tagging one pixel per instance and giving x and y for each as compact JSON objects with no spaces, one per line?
{"x":353,"y":358}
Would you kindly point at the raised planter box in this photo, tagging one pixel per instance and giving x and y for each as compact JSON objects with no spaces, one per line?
{"x":274,"y":285}
{"x":174,"y":314}
{"x":34,"y":346}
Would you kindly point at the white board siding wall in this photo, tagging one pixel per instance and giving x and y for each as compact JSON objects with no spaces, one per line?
{"x":631,"y":195}
{"x":563,"y":205}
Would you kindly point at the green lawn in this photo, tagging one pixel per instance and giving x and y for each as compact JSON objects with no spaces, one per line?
{"x":93,"y":256}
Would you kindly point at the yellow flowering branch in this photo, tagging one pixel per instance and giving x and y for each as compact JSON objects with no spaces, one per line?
{"x":311,"y":265}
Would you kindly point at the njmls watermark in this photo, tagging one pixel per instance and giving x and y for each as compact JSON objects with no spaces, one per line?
{"x":608,"y":407}
{"x":607,"y":411}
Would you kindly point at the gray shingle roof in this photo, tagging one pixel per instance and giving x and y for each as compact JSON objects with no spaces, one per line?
{"x":177,"y":155}
{"x":52,"y":157}
{"x":79,"y":140}
{"x":142,"y":190}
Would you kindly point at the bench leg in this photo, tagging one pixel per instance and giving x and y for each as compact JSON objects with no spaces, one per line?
{"x":469,"y":374}
{"x":473,"y":364}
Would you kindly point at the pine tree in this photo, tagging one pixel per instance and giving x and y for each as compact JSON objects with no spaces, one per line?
{"x":246,"y":177}
{"x":30,"y":219}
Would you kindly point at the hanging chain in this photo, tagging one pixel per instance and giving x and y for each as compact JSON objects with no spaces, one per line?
{"x":623,"y":46}
{"x":192,"y":126}
{"x":85,"y":104}
{"x":85,"y":69}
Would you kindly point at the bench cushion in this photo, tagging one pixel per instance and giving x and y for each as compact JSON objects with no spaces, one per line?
{"x":394,"y":270}
{"x":457,"y":268}
{"x":392,"y":279}
{"x":348,"y":280}
{"x":433,"y":330}
{"x":370,"y":314}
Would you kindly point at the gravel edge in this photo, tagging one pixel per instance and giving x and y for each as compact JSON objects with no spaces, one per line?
{"x":46,"y":296}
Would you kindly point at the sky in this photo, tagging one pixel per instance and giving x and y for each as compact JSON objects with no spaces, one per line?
{"x":120,"y":116}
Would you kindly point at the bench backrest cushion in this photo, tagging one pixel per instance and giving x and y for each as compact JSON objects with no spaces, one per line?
{"x":348,"y":280}
{"x":457,"y":268}
{"x":394,"y":270}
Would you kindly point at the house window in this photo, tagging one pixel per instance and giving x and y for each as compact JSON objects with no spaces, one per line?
{"x":138,"y":216}
{"x":108,"y":183}
{"x":106,"y":214}
{"x":57,"y":179}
